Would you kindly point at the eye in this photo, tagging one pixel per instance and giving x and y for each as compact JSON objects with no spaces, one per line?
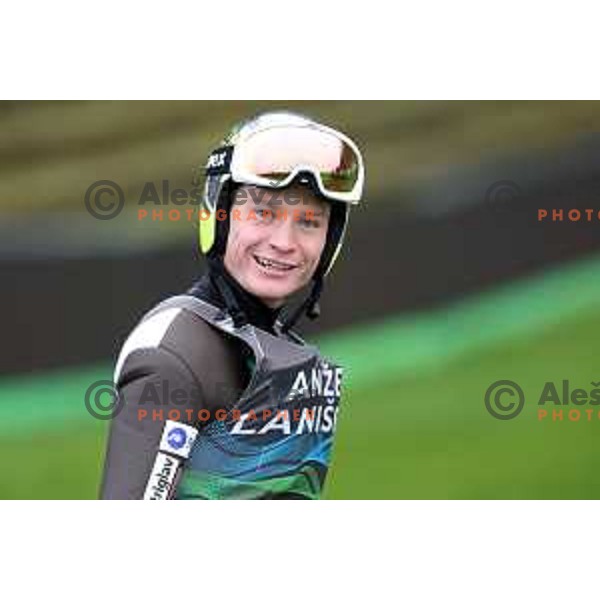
{"x":309,"y":222}
{"x":264,"y":214}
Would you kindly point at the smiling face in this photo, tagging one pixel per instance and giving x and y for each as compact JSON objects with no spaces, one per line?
{"x":275,"y":240}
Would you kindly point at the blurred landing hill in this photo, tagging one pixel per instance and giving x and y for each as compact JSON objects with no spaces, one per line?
{"x":51,"y":152}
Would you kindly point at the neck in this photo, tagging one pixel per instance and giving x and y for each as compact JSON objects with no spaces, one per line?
{"x":255,"y":310}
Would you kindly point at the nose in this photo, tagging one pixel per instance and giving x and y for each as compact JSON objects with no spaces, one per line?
{"x":282,"y":237}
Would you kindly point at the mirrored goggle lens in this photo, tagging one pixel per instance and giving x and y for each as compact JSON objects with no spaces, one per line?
{"x":275,"y":153}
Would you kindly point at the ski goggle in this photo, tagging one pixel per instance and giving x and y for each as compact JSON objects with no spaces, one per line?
{"x":276,"y":155}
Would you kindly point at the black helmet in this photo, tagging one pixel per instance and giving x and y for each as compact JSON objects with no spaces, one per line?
{"x":275,"y":149}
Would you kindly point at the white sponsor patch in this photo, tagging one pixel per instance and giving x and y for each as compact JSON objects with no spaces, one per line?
{"x":178,"y":438}
{"x":162,"y":477}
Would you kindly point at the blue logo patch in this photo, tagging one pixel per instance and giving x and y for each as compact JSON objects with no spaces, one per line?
{"x":177,"y":438}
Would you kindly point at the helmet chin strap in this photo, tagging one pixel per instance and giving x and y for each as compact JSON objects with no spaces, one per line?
{"x":310,"y":306}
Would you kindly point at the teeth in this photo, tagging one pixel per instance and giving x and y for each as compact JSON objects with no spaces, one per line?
{"x":272,"y":264}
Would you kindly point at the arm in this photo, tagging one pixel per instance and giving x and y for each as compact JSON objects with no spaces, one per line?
{"x":187,"y":367}
{"x":152,"y":383}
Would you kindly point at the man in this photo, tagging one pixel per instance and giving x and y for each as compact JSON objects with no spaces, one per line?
{"x":218,"y":397}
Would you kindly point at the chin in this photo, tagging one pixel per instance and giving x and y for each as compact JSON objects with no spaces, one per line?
{"x":273,"y":297}
{"x":273,"y":294}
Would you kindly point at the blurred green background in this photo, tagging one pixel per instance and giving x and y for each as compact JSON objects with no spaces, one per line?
{"x":423,"y":325}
